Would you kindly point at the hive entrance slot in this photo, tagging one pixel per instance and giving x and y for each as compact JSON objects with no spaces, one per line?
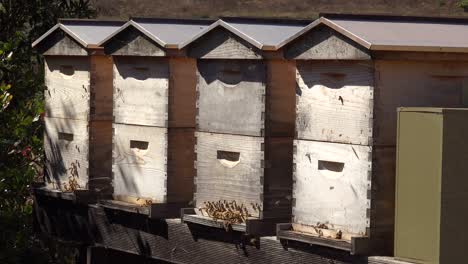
{"x":331,"y":169}
{"x":141,"y":73}
{"x":228,"y":159}
{"x":65,"y":136}
{"x":333,"y":80}
{"x":230,"y":76}
{"x":141,"y":145}
{"x":67,"y":70}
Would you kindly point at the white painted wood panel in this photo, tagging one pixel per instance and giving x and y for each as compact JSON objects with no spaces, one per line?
{"x":324,"y":43}
{"x":231,"y":96}
{"x":334,"y":101}
{"x":331,"y":183}
{"x":62,"y":44}
{"x":66,"y":144}
{"x":221,"y":44}
{"x":236,"y":179}
{"x":141,"y":91}
{"x":139,"y":161}
{"x":68,"y":87}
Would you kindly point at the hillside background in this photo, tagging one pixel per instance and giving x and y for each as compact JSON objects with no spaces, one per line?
{"x":123,"y":9}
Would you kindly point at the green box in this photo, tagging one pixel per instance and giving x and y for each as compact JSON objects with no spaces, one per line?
{"x":432,"y":185}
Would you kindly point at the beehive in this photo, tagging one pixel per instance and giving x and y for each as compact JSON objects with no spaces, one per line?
{"x":78,"y":105}
{"x":344,"y":151}
{"x":245,"y":115}
{"x":154,"y":116}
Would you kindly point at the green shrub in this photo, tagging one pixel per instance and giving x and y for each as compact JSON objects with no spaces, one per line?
{"x":21,"y":106}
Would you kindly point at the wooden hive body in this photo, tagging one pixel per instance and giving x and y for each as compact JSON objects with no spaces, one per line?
{"x":344,"y":154}
{"x":78,"y":122}
{"x":153,"y":127}
{"x":245,"y":115}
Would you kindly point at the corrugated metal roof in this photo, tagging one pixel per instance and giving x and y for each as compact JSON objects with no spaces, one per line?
{"x":399,"y":33}
{"x":86,"y":32}
{"x":169,"y":33}
{"x":264,"y":34}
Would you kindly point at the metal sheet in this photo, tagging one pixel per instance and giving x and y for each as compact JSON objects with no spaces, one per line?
{"x":383,"y":32}
{"x":92,"y":32}
{"x":268,"y":33}
{"x":172,"y":31}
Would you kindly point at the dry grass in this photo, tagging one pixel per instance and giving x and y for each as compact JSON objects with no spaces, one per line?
{"x":272,"y":8}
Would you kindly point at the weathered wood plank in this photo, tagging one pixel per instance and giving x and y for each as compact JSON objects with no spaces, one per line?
{"x":382,"y":199}
{"x":68,"y":87}
{"x":335,"y":101}
{"x":277,"y":182}
{"x":66,"y":145}
{"x":324,"y":43}
{"x":280,"y":98}
{"x":180,"y":165}
{"x":222,"y":44}
{"x":414,"y":83}
{"x":231,"y":96}
{"x":182,"y":92}
{"x":131,"y":42}
{"x":59,"y":43}
{"x":100,"y":157}
{"x":331,"y":185}
{"x":141,"y":91}
{"x":140,"y":162}
{"x":229,"y":167}
{"x":101,"y":86}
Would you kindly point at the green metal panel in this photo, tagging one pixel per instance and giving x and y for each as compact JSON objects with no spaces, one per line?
{"x":419,"y":169}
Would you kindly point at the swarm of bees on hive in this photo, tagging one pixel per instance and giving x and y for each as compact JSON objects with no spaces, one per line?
{"x":229,"y":212}
{"x":319,"y":226}
{"x":72,"y":184}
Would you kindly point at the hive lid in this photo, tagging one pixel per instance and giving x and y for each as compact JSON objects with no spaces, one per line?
{"x":265,"y":34}
{"x":85,"y":31}
{"x":168,"y":33}
{"x":393,"y":33}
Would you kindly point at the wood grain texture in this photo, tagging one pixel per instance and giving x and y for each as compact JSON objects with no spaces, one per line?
{"x":182,"y":92}
{"x":140,"y":161}
{"x":280,"y":98}
{"x":66,"y":145}
{"x":231,"y":96}
{"x":382,"y":200}
{"x":180,"y":164}
{"x":277,"y":182}
{"x":334,"y":101}
{"x":324,"y":43}
{"x":414,"y":83}
{"x":141,"y":91}
{"x":330,"y":185}
{"x":59,"y":43}
{"x":131,"y":42}
{"x":100,"y":157}
{"x":101,"y":84}
{"x":68,"y":87}
{"x":216,"y":181}
{"x":219,"y":43}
